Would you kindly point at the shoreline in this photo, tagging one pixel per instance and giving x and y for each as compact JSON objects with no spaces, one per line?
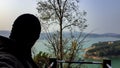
{"x":99,"y":58}
{"x":95,"y":57}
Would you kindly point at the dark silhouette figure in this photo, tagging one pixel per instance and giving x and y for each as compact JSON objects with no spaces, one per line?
{"x":25,"y":31}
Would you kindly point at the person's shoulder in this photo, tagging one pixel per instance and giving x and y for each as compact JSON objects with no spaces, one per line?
{"x":4,"y":40}
{"x":9,"y":61}
{"x":6,"y":44}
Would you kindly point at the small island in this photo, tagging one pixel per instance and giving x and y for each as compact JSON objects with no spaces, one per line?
{"x":103,"y":50}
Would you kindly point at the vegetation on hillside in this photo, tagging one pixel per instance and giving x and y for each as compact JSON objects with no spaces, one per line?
{"x":104,"y":49}
{"x":42,"y":59}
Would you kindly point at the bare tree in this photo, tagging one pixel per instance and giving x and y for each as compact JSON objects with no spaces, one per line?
{"x":60,"y":16}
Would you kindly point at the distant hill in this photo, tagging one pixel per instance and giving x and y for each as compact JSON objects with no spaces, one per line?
{"x":112,"y":35}
{"x":67,"y":34}
{"x":105,"y":35}
{"x":91,"y":35}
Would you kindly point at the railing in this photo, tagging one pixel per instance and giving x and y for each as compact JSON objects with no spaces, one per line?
{"x":108,"y":66}
{"x":54,"y":61}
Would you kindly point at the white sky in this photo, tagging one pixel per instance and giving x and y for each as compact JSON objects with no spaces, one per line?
{"x":11,"y":9}
{"x":102,"y":15}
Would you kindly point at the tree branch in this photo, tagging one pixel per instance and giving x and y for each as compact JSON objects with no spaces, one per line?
{"x":67,"y":26}
{"x":55,"y":9}
{"x":64,"y":7}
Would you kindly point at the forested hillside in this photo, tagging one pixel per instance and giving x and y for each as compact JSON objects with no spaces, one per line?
{"x":104,"y":49}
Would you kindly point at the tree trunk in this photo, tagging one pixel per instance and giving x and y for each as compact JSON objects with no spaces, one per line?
{"x":61,"y":46}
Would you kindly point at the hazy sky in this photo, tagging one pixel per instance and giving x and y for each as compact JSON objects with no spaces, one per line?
{"x":11,"y":9}
{"x":103,"y":15}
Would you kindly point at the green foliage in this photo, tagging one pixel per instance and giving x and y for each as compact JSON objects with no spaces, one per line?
{"x":105,"y":49}
{"x":42,"y":59}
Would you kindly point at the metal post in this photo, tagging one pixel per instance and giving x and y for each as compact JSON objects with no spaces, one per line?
{"x":107,"y":64}
{"x":52,"y":63}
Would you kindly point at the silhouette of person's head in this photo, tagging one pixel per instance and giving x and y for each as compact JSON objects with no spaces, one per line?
{"x":25,"y":31}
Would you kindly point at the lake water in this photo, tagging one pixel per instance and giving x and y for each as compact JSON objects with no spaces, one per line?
{"x":39,"y":46}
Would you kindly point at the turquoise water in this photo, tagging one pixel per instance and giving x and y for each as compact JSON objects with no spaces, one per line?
{"x":39,"y":46}
{"x":115,"y":62}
